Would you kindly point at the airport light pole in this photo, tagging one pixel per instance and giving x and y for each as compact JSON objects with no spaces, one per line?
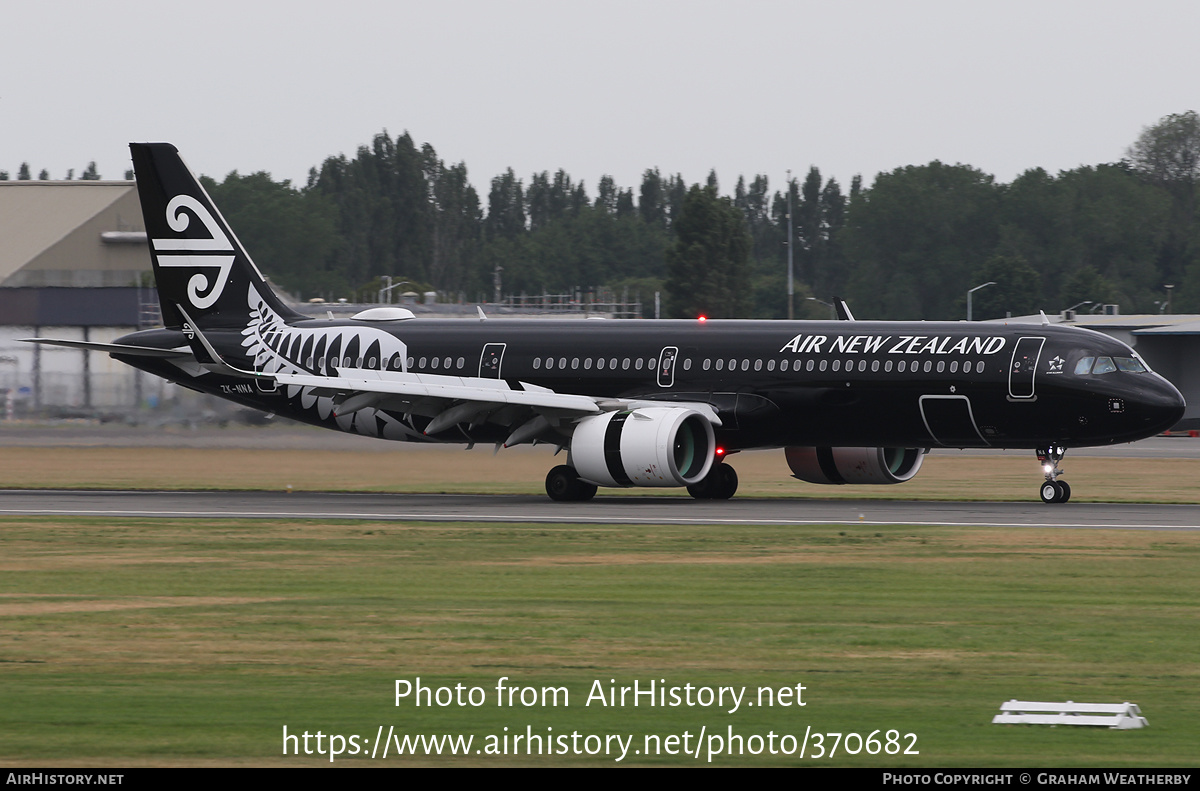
{"x":832,"y":309}
{"x":791,"y":293}
{"x":972,"y":291}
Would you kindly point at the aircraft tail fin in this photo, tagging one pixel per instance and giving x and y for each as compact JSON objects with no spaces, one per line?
{"x":199,"y":264}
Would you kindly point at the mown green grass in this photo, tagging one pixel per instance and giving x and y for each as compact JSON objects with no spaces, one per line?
{"x":193,"y":642}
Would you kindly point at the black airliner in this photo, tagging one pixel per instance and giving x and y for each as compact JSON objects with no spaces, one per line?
{"x":634,"y":403}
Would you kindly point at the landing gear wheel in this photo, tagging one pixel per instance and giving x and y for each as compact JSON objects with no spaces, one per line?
{"x":1053,"y":490}
{"x":721,"y":483}
{"x":563,"y":485}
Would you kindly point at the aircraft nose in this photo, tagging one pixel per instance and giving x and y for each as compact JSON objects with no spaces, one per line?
{"x":1163,"y":404}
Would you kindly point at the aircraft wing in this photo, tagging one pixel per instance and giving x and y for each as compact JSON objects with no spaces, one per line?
{"x":464,"y":388}
{"x":450,"y":400}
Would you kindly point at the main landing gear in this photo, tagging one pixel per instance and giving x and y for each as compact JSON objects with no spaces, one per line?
{"x":563,"y":484}
{"x":1053,"y":490}
{"x":720,"y":484}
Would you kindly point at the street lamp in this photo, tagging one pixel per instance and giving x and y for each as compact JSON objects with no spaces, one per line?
{"x":972,"y":291}
{"x":832,"y":309}
{"x":791,"y":297}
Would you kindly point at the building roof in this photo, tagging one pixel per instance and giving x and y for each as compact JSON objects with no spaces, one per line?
{"x":1138,"y":323}
{"x":56,"y":226}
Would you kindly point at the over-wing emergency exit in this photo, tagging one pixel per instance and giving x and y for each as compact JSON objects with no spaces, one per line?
{"x":634,"y":403}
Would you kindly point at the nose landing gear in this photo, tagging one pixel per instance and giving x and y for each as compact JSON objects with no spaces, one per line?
{"x":1053,"y":490}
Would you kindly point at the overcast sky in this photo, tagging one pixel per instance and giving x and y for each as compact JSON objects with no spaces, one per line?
{"x":597,"y":87}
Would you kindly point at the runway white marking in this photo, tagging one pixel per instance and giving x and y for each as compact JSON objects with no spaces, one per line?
{"x":576,"y":519}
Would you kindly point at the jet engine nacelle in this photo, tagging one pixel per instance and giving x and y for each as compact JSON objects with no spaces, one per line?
{"x":854,"y":465}
{"x":649,"y":446}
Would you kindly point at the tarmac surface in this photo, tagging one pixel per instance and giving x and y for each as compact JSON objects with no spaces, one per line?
{"x":605,"y":509}
{"x":602,"y":510}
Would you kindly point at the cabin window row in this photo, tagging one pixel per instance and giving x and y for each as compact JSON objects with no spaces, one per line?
{"x":902,"y":366}
{"x":718,"y":364}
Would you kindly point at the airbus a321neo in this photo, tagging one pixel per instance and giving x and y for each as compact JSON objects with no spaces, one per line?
{"x":635,"y":403}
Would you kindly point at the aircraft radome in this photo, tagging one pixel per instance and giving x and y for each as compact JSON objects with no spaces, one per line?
{"x":634,"y":402}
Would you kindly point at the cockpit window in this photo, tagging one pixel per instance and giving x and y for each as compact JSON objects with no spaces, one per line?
{"x":1104,"y":365}
{"x":1084,"y":365}
{"x":1131,"y":364}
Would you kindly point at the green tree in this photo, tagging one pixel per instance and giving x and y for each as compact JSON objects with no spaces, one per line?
{"x":23,"y":173}
{"x":1169,"y":151}
{"x":914,"y":238}
{"x":708,"y":269}
{"x":90,"y":173}
{"x":1018,"y":289}
{"x":289,"y":233}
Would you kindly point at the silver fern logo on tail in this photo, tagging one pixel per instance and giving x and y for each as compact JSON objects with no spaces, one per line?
{"x":196,"y":253}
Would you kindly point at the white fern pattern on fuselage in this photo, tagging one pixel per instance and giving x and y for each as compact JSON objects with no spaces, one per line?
{"x":275,"y":347}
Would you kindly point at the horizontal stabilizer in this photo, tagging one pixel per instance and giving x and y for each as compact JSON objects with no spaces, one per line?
{"x":114,"y":348}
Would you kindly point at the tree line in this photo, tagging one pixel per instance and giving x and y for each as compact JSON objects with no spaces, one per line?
{"x":907,"y":246}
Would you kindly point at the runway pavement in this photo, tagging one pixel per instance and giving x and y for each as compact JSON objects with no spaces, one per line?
{"x":602,"y":510}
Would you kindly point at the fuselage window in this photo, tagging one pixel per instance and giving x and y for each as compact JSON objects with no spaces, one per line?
{"x":446,"y":363}
{"x":874,"y":366}
{"x":862,"y":365}
{"x":901,"y":366}
{"x":461,"y":362}
{"x":1104,"y":365}
{"x":433,"y":363}
{"x":706,"y":364}
{"x":625,"y":364}
{"x":637,"y":364}
{"x":783,"y":365}
{"x":562,"y":363}
{"x":809,"y":367}
{"x":537,"y":363}
{"x":587,"y":363}
{"x":612,"y":363}
{"x":837,"y":365}
{"x":687,"y":364}
{"x":954,"y":366}
{"x":758,"y":365}
{"x":410,"y":362}
{"x":420,"y":364}
{"x":979,"y":367}
{"x":651,"y":363}
{"x":770,"y":365}
{"x":733,"y":365}
{"x":600,"y":364}
{"x":549,"y":363}
{"x":967,"y":367}
{"x":941,"y":366}
{"x":574,"y":363}
{"x":823,"y":362}
{"x":720,"y":365}
{"x":358,"y":363}
{"x":309,"y":363}
{"x":928,"y":365}
{"x":887,"y":366}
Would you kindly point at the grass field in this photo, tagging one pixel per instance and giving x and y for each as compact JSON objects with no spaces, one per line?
{"x":523,"y":470}
{"x":194,"y":642}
